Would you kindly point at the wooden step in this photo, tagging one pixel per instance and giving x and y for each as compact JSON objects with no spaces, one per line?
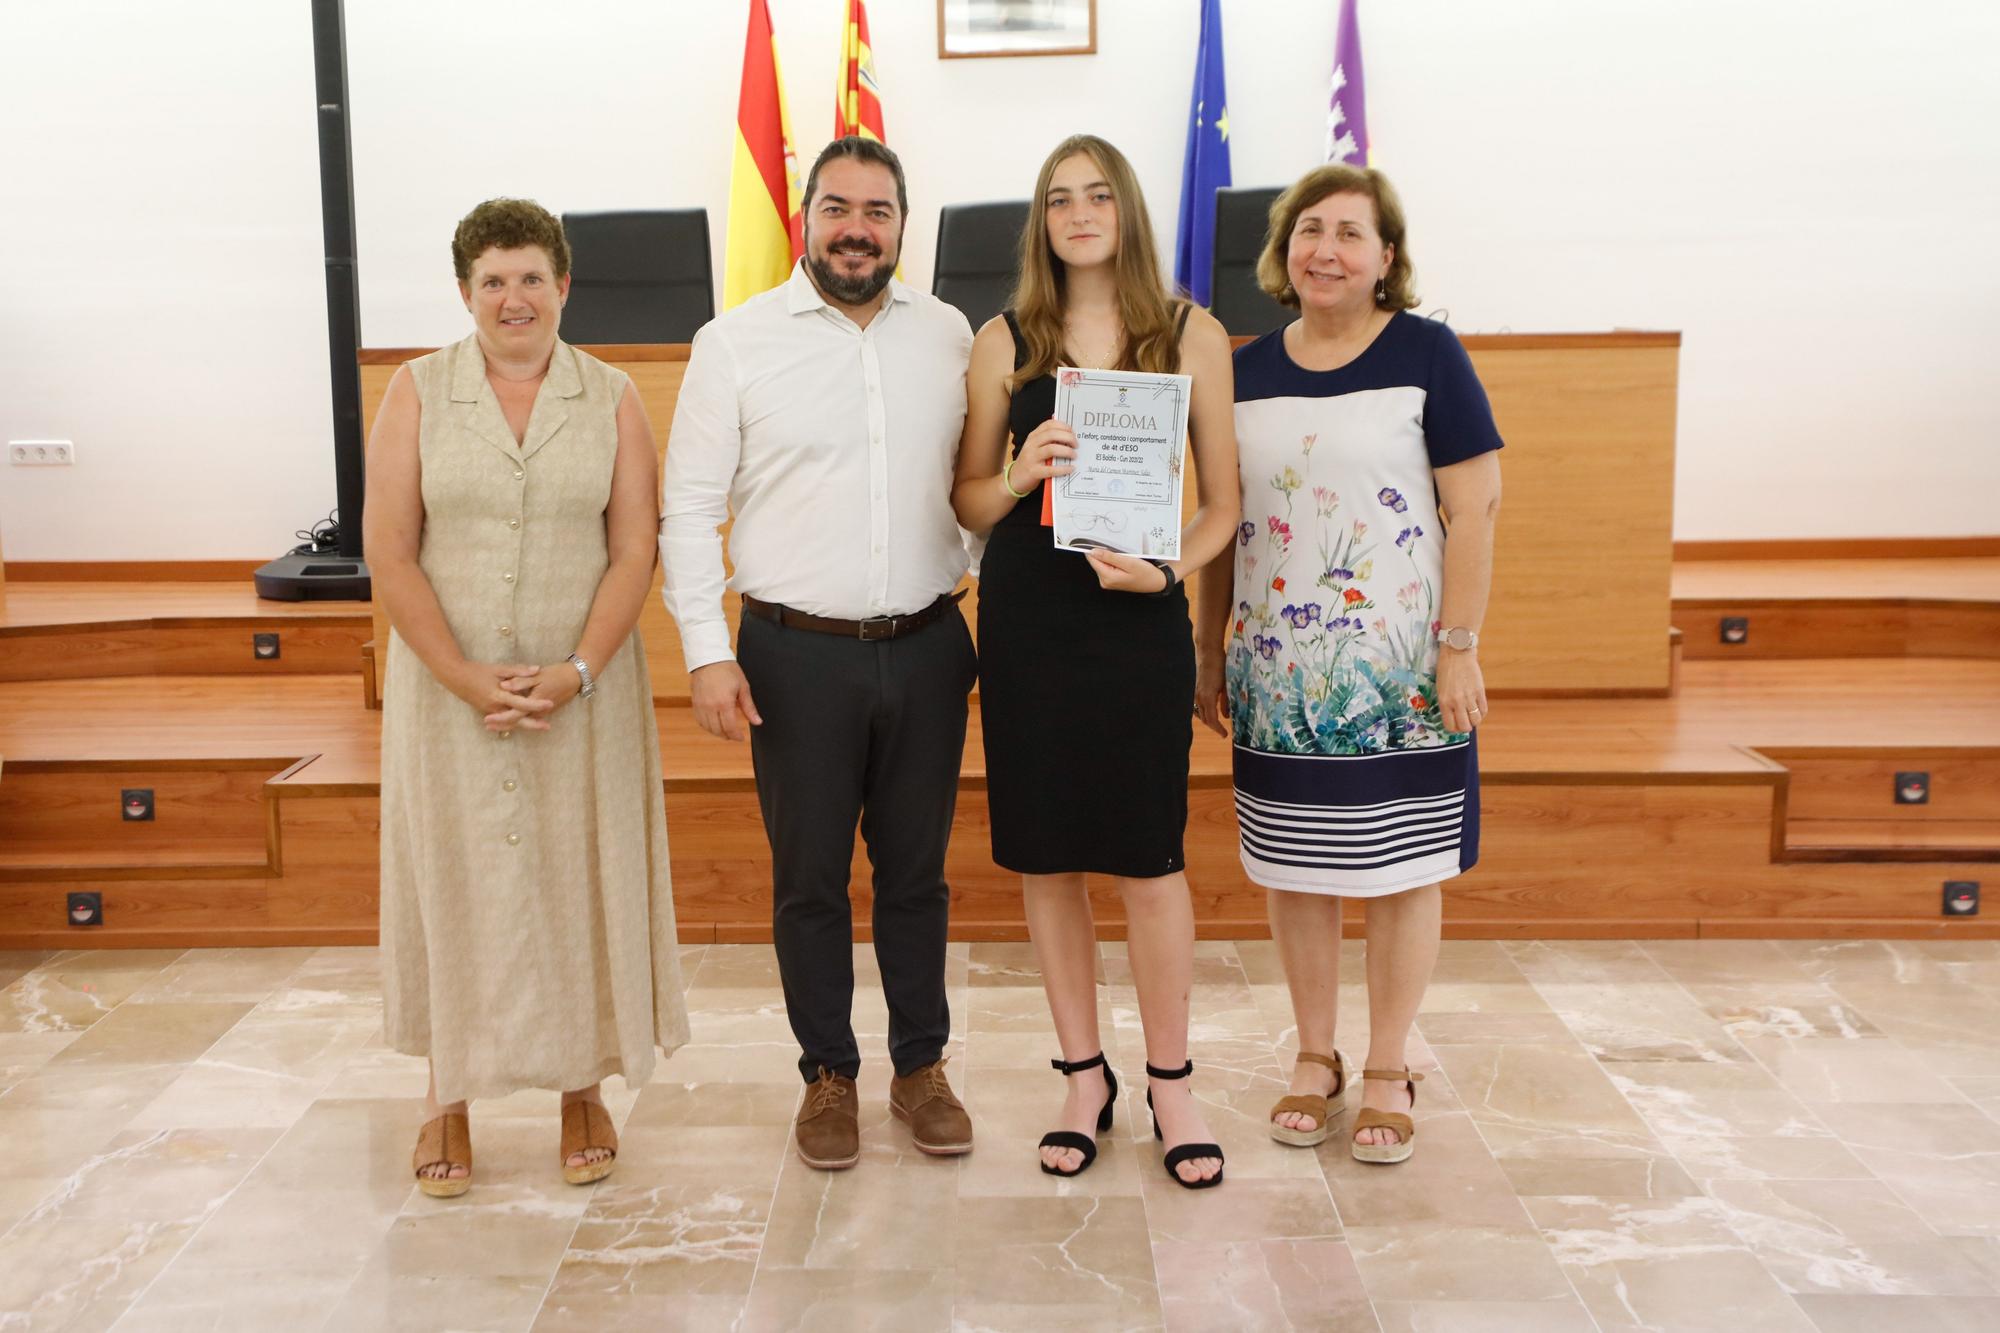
{"x":1841,"y":803}
{"x":99,"y":862}
{"x":1861,"y":782}
{"x":1962,"y":840}
{"x":1601,"y":817}
{"x":63,"y":820}
{"x":1565,"y":855}
{"x":1941,"y":607}
{"x":76,"y":631}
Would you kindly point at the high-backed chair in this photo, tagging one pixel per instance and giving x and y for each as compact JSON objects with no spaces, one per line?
{"x":978,"y":252}
{"x":1241,"y":218}
{"x":638,"y":276}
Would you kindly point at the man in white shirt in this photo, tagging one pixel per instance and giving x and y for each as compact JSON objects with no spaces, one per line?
{"x":826,"y":414}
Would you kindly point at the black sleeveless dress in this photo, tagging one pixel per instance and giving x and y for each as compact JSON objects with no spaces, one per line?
{"x":1086,"y":697}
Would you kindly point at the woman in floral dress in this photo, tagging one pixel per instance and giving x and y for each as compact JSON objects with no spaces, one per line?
{"x":1341,"y":648}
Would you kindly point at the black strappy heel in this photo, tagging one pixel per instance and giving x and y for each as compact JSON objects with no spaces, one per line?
{"x":1187,"y":1152}
{"x":1069,"y":1138}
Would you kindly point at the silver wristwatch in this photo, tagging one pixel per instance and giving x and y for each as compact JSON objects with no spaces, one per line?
{"x":583,"y":674}
{"x":1459,"y":638}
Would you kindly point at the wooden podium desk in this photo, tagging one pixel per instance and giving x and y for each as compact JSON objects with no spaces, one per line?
{"x":1583,"y":566}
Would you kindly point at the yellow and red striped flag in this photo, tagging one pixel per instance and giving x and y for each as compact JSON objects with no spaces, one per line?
{"x":766,"y":235}
{"x":857,"y":98}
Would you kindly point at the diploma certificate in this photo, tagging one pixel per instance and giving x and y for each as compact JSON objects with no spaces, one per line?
{"x":1123,"y":492}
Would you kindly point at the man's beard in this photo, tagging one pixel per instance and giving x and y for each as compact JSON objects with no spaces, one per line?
{"x":855,"y":290}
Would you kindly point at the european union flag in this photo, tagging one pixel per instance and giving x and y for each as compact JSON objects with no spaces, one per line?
{"x":1205,"y":169}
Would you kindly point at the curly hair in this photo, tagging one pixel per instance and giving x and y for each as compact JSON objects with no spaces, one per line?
{"x":1399,"y":286}
{"x":510,"y":224}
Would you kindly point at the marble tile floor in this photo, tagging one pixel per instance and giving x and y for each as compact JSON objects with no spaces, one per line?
{"x":1614,"y":1135}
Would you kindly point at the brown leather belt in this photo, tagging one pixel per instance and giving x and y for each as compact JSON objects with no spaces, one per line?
{"x":869,"y":631}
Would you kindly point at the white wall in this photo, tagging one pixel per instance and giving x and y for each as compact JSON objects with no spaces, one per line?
{"x":164,"y":301}
{"x":1795,"y":184}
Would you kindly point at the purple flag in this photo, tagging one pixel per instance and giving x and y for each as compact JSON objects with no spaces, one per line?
{"x":1347,"y":109}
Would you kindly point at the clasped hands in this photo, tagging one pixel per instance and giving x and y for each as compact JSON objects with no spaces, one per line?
{"x":514,"y":694}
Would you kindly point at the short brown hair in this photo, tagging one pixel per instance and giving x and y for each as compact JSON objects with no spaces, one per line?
{"x":862,"y":150}
{"x":510,"y":224}
{"x":1319,"y":183}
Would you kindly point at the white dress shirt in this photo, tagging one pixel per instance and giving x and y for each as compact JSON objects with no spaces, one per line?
{"x":834,"y":446}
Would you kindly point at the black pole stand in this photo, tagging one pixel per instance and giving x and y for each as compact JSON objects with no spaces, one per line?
{"x":342,"y":574}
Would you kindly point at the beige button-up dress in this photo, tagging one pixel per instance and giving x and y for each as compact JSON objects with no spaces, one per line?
{"x":527,"y":910}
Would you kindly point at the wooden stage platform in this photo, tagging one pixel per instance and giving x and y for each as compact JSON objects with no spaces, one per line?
{"x":1756,"y":800}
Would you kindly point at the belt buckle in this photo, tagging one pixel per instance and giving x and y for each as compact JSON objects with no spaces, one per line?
{"x":877,"y":629}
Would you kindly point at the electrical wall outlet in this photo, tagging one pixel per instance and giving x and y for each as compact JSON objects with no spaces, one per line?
{"x":41,"y":453}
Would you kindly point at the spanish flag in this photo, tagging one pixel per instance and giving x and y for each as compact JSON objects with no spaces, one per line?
{"x":766,"y":235}
{"x":857,"y":99}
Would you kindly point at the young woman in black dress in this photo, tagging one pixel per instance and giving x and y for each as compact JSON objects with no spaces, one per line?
{"x":1086,"y":672}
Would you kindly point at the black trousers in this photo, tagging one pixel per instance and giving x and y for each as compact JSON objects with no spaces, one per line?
{"x":874,"y":732}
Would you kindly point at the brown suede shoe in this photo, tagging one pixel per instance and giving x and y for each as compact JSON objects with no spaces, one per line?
{"x":924,"y":1101}
{"x":828,"y":1128}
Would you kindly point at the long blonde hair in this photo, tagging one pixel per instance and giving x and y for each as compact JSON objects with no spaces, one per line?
{"x":1146,"y":309}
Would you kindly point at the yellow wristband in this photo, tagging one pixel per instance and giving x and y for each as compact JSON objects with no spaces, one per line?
{"x":1007,"y":480}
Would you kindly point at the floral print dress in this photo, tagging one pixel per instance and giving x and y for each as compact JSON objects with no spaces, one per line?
{"x":1346,"y":780}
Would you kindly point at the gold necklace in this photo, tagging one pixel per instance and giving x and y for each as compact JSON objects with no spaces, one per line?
{"x":1103,"y":361}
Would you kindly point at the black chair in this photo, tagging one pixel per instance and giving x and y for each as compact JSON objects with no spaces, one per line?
{"x":1241,"y":219}
{"x":640,"y":276}
{"x":978,"y":252}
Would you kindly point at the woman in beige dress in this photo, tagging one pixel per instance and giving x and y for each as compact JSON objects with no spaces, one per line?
{"x":527,"y":915}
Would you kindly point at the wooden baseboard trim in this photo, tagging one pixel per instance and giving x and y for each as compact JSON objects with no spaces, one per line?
{"x":1967,"y":854}
{"x":55,"y":629}
{"x":1838,"y":548}
{"x":157,"y":937}
{"x":118,"y":873}
{"x":1846,"y":928}
{"x":133,"y":571}
{"x":304,"y":788}
{"x":1257,"y":928}
{"x":396,"y":356}
{"x":1750,"y":606}
{"x":706,"y":932}
{"x":1780,"y":754}
{"x":1584,"y":692}
{"x":231,"y":764}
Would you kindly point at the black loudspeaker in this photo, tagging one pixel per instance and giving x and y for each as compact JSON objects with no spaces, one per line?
{"x":1241,"y":218}
{"x":978,"y":256}
{"x":308,"y":574}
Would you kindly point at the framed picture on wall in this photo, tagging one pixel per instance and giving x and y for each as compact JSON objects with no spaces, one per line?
{"x":1016,"y":28}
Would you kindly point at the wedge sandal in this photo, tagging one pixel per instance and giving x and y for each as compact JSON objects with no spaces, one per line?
{"x":1323,"y":1110}
{"x":587,"y":1125}
{"x":1370,"y":1118}
{"x":447,"y":1142}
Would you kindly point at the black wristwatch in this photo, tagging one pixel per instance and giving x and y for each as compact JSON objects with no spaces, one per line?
{"x":1168,"y":570}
